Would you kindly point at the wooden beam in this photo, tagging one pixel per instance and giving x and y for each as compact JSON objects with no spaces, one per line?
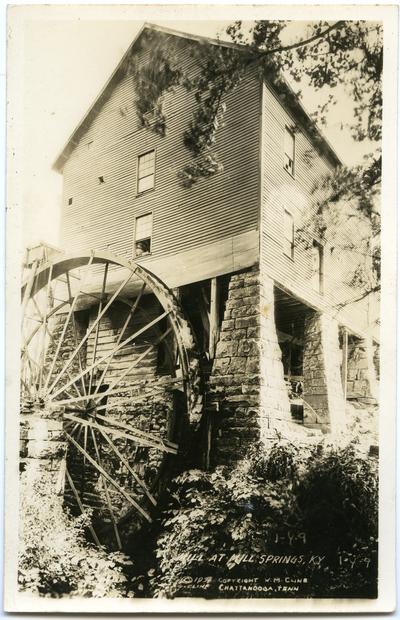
{"x":143,"y":439}
{"x":214,"y":317}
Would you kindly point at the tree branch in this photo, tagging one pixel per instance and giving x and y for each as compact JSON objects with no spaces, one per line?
{"x":373,"y":289}
{"x":285,"y":48}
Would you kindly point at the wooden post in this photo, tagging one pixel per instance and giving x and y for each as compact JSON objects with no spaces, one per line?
{"x":214,"y":317}
{"x":345,"y":355}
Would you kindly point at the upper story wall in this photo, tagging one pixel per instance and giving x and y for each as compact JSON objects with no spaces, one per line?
{"x":295,"y":193}
{"x":208,"y":229}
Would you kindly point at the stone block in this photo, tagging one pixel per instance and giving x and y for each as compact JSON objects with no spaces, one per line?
{"x":252,"y":364}
{"x":249,"y":347}
{"x":221,"y":365}
{"x":226,"y":348}
{"x":253,"y":332}
{"x":245,"y":322}
{"x":46,"y":449}
{"x":243,"y":311}
{"x":238,"y":365}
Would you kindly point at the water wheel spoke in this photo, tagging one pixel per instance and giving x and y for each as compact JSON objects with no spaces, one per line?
{"x":111,"y":480}
{"x":43,"y":347}
{"x":96,"y":335}
{"x":111,"y":353}
{"x":81,"y":507}
{"x":128,"y":319}
{"x":105,"y":487}
{"x":89,"y":331}
{"x":143,"y":439}
{"x":128,"y":467}
{"x":75,"y":331}
{"x":80,"y":352}
{"x":46,"y":317}
{"x":64,"y":329}
{"x":133,"y":365}
{"x":131,"y":429}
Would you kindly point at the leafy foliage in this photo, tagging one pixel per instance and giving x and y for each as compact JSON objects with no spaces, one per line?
{"x":54,"y":557}
{"x":303,"y":501}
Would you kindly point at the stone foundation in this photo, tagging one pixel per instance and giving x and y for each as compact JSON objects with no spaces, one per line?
{"x":361,"y":370}
{"x":42,"y":446}
{"x":247,"y":392}
{"x":324,"y":405}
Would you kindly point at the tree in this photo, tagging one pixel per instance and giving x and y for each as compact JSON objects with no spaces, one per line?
{"x":345,"y":53}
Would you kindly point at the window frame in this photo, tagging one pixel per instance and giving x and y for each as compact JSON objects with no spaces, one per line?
{"x":289,"y":131}
{"x":135,"y":240}
{"x":138,"y":179}
{"x":291,"y":254}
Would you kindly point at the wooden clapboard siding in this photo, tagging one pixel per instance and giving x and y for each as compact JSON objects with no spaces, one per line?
{"x":213,"y":227}
{"x":280,"y":191}
{"x":221,"y":208}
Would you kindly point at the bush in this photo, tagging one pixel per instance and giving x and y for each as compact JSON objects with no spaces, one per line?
{"x":296,"y":500}
{"x":54,"y":557}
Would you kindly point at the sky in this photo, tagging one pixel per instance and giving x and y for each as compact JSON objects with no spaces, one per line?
{"x":65,"y":64}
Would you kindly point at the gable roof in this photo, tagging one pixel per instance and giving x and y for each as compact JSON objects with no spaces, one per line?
{"x":118,"y":73}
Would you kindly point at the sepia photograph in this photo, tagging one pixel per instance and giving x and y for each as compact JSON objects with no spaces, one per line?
{"x":200,"y":308}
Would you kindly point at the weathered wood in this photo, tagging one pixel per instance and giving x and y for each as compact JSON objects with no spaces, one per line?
{"x":129,"y":317}
{"x":91,"y":328}
{"x":122,"y":425}
{"x":128,"y":467}
{"x":133,"y":436}
{"x":96,"y":334}
{"x":61,"y":339}
{"x":104,"y":485}
{"x":81,"y":507}
{"x":107,"y":476}
{"x":111,"y":353}
{"x":133,"y":365}
{"x":214,"y":317}
{"x":75,"y":331}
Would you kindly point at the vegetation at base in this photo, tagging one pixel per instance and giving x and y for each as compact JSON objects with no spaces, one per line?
{"x":55,"y":558}
{"x":306,"y":501}
{"x":303,"y":502}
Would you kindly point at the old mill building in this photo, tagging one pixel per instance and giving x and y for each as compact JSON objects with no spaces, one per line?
{"x":278,"y":344}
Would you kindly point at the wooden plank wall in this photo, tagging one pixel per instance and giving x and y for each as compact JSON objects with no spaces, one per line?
{"x":282,"y":191}
{"x":102,"y":215}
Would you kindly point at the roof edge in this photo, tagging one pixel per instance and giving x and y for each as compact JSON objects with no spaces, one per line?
{"x":102,"y":96}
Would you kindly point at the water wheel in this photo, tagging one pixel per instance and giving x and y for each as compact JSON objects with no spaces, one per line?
{"x":105,"y":340}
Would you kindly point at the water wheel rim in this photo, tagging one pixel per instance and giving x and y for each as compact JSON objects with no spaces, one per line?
{"x":50,"y":272}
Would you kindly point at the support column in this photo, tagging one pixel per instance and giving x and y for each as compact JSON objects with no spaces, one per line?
{"x":43,"y":446}
{"x":274,"y":393}
{"x":247,"y":392}
{"x":362,"y":380}
{"x":324,"y":405}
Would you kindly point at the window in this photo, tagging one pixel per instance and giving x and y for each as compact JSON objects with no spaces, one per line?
{"x":289,"y":151}
{"x":70,"y":201}
{"x":146,"y":172}
{"x":288,"y":234}
{"x":318,"y":267}
{"x":101,"y":180}
{"x":143,"y":228}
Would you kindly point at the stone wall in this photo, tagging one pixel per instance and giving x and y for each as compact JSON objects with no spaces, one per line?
{"x":246,"y":393}
{"x":42,"y":446}
{"x":361,"y":370}
{"x":324,"y":405}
